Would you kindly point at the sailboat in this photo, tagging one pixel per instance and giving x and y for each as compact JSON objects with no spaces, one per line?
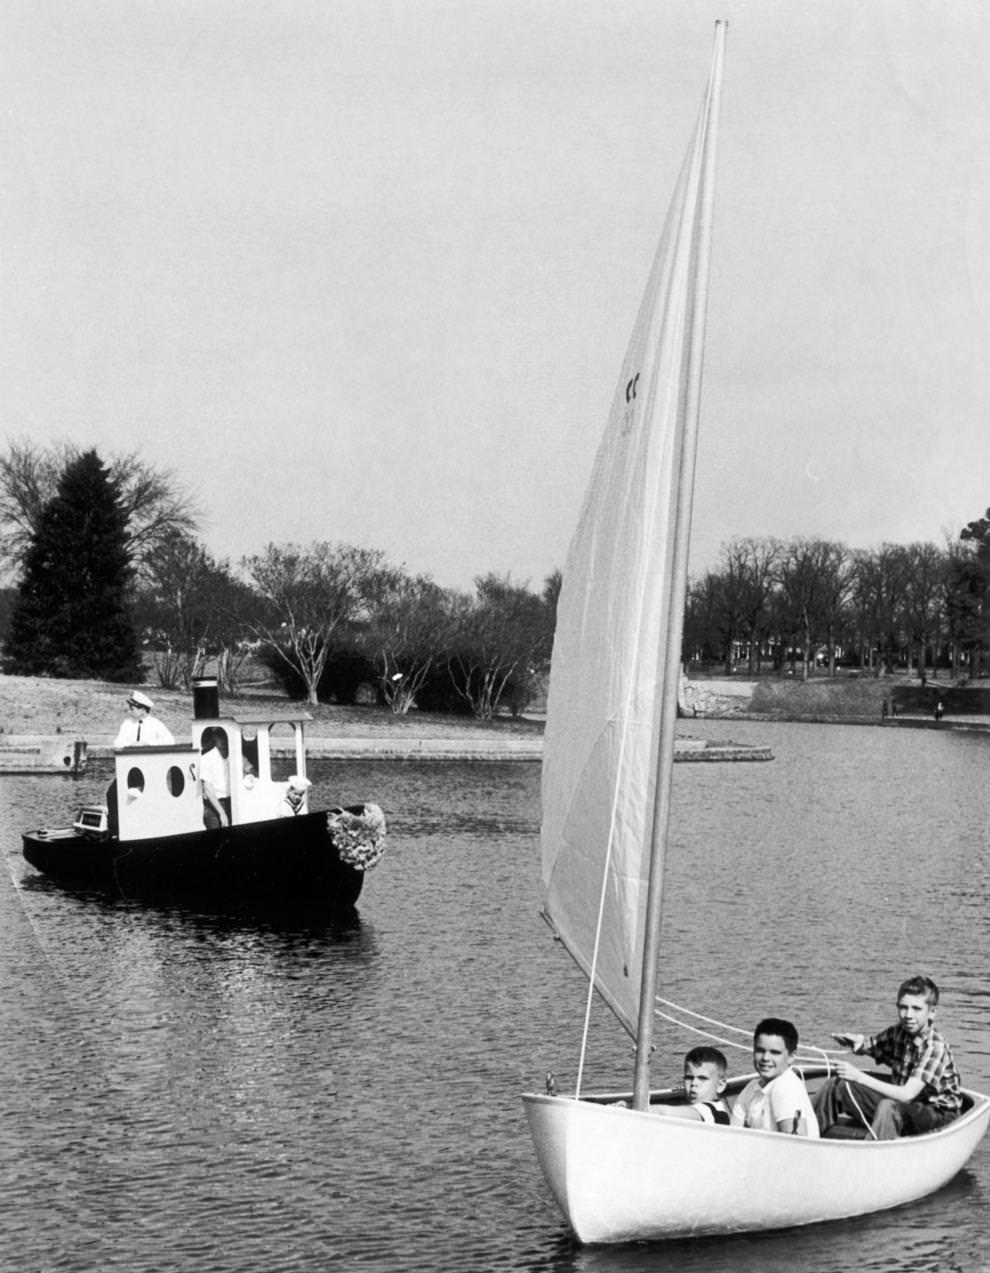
{"x":618,"y":1171}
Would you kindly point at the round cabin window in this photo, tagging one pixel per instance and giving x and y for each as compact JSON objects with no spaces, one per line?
{"x":135,"y":781}
{"x":175,"y":780}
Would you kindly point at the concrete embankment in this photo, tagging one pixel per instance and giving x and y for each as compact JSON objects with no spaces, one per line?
{"x":402,"y":746}
{"x":972,"y":724}
{"x":502,"y":749}
{"x":844,"y":700}
{"x":405,"y":747}
{"x":378,"y":747}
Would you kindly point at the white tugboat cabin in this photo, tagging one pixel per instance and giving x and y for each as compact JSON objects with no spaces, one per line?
{"x":158,"y":790}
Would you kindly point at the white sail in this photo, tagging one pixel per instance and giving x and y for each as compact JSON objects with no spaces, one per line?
{"x":618,"y":1171}
{"x":611,"y":700}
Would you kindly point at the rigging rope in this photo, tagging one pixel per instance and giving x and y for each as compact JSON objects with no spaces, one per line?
{"x":676,"y":1007}
{"x":819,"y":1055}
{"x":859,"y":1110}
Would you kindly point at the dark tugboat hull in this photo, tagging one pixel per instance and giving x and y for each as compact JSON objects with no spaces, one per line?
{"x":279,"y":863}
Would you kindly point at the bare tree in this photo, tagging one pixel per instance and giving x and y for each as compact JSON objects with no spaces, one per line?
{"x":150,"y":498}
{"x":704,"y":640}
{"x":813,"y":585}
{"x":310,"y":594}
{"x":965,"y":606}
{"x":923,"y":603}
{"x":746,"y":581}
{"x":407,"y":632}
{"x":879,"y":580}
{"x":760,"y":565}
{"x":502,"y":634}
{"x":195,"y":610}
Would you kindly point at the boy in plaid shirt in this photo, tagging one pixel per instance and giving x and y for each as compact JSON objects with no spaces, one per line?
{"x":922,"y":1093}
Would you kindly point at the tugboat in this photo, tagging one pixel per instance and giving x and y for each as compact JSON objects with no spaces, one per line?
{"x":148,"y":839}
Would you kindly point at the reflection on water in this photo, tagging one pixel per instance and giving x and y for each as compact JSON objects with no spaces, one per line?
{"x":208,"y":1091}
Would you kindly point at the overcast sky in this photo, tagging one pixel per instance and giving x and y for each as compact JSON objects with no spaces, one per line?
{"x":365,"y":271}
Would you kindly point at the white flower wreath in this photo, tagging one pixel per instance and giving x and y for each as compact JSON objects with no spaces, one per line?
{"x":359,"y":838}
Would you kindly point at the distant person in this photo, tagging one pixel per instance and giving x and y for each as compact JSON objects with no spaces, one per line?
{"x":293,"y":801}
{"x":139,"y":728}
{"x":939,"y":710}
{"x":884,"y":710}
{"x":704,"y":1082}
{"x":214,"y":775}
{"x":777,"y":1099}
{"x":923,"y":1092}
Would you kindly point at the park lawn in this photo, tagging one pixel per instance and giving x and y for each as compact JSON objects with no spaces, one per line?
{"x":94,"y":709}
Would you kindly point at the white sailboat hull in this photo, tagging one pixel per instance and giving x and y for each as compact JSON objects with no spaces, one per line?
{"x":622,"y":1175}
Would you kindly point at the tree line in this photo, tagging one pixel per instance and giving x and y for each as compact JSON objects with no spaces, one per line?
{"x":800,"y":603}
{"x":112,"y":584}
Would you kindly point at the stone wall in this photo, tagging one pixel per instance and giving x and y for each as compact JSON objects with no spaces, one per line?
{"x":956,"y":700}
{"x":715,"y":698}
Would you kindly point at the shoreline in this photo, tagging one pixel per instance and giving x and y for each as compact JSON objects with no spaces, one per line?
{"x":49,"y":716}
{"x":41,"y":720}
{"x":53,"y":753}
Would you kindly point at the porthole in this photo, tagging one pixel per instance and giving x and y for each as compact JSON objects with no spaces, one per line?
{"x":175,"y":780}
{"x":135,"y":780}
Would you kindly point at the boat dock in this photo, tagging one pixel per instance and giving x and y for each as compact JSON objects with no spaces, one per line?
{"x":39,"y":754}
{"x":701,"y":750}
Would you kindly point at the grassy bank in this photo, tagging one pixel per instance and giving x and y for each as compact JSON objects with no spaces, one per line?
{"x":94,"y":709}
{"x":845,"y":698}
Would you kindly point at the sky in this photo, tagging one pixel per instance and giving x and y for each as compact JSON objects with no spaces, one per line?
{"x":365,"y":271}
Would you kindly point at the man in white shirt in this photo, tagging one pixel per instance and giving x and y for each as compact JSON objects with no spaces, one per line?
{"x":140,"y":728}
{"x":214,"y":773}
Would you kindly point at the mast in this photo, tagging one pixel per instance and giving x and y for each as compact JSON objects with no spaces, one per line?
{"x":686,"y":452}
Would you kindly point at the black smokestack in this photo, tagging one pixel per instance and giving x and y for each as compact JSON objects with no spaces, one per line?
{"x":206,"y":698}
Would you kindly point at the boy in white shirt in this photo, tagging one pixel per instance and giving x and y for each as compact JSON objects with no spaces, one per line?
{"x":777,"y":1099}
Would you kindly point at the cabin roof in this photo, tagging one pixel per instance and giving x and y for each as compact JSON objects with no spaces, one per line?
{"x":266,"y":718}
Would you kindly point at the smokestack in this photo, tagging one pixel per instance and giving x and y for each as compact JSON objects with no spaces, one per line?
{"x":206,"y":698}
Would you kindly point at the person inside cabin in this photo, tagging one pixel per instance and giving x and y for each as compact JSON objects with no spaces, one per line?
{"x":704,"y":1082}
{"x":140,"y":728}
{"x":293,"y":801}
{"x":214,"y":774}
{"x":249,"y":761}
{"x":776,"y":1100}
{"x":923,"y":1091}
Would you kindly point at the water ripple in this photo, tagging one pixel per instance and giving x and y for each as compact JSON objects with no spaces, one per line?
{"x":199,"y":1091}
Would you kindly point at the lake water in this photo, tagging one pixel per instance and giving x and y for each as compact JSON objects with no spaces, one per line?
{"x":183,"y":1092}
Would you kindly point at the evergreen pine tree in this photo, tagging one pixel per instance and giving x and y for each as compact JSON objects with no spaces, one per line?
{"x":71,"y":616}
